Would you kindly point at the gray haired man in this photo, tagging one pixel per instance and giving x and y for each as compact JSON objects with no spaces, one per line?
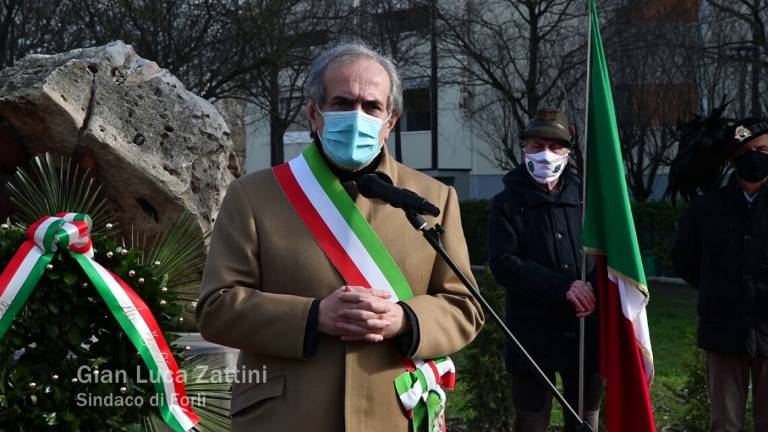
{"x":280,"y":281}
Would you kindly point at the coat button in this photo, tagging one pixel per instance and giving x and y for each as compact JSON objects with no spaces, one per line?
{"x":565,"y":266}
{"x":558,"y":236}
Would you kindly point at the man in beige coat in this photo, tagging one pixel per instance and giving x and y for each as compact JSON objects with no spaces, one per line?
{"x":332,"y":351}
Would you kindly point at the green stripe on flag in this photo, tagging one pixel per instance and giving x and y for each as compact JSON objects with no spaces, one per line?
{"x":357,"y":223}
{"x":608,"y":224}
{"x":18,"y":302}
{"x":133,"y":334}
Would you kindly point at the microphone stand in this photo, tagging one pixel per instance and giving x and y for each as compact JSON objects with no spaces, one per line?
{"x":432,"y":235}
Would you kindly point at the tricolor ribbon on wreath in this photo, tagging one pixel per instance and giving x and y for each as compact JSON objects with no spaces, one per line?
{"x":71,"y":231}
{"x":356,"y":251}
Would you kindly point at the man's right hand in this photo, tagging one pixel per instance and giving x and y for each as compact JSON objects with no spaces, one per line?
{"x":583,"y":298}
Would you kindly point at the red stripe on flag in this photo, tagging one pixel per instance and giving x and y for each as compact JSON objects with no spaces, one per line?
{"x":157,"y":335}
{"x":311,"y":218}
{"x":628,"y":399}
{"x":13,"y":266}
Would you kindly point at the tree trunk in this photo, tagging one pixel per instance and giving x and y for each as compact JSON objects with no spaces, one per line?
{"x":757,"y":108}
{"x":534,"y":37}
{"x":8,"y":15}
{"x":276,"y":129}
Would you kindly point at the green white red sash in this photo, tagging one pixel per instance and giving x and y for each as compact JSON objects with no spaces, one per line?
{"x":71,"y":231}
{"x":357,"y":253}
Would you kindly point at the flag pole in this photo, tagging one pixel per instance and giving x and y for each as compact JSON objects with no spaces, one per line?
{"x":583,"y":205}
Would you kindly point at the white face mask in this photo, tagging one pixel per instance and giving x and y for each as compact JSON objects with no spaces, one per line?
{"x":545,"y":166}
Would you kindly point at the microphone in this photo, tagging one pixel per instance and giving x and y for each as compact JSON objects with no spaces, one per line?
{"x":374,"y":187}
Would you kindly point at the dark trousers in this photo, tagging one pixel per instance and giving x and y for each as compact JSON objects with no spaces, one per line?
{"x":533,"y":400}
{"x":728,"y":379}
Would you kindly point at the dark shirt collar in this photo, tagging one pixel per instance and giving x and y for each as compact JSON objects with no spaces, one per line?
{"x":735,"y":187}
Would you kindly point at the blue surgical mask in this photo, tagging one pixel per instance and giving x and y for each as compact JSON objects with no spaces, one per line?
{"x":351,"y":138}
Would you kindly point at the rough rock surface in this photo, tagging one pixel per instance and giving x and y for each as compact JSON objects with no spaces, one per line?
{"x":155,"y":147}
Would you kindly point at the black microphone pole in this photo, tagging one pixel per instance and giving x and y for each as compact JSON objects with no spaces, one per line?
{"x":432,"y":235}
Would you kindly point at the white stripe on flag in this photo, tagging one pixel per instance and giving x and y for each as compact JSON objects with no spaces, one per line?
{"x":339,"y":226}
{"x":633,"y":303}
{"x":18,"y":278}
{"x":143,"y":330}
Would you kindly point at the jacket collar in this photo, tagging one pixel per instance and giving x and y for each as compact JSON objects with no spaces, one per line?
{"x":387,"y":165}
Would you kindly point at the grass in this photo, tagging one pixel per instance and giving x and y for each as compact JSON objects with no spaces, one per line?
{"x":672,"y":322}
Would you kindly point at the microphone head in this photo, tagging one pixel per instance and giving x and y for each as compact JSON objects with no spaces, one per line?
{"x":430,"y":209}
{"x":373,"y":186}
{"x":364,"y":184}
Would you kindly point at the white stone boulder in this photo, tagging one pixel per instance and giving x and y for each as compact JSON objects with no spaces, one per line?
{"x":157,"y":148}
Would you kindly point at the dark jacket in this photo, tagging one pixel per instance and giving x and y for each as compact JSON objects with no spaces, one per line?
{"x":722,"y":249}
{"x":535,"y":253}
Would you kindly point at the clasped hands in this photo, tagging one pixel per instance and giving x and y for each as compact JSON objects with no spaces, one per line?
{"x":361,"y":314}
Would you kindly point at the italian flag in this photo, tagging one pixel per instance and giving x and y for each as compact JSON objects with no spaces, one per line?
{"x":626,"y":361}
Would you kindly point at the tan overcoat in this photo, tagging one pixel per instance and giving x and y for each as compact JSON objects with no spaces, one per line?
{"x":263,"y":271}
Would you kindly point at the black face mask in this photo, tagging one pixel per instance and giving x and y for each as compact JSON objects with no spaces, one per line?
{"x":752,"y":166}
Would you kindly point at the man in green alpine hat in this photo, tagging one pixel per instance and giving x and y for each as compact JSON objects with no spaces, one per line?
{"x":535,"y":253}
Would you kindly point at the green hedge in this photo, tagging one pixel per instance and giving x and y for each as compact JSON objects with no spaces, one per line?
{"x":474,"y":219}
{"x":656,"y":225}
{"x":655,"y":222}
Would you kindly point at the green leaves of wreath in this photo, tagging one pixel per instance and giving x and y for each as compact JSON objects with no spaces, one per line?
{"x":59,"y":360}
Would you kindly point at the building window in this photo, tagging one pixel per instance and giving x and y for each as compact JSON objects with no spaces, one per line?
{"x":417,"y":107}
{"x":396,"y":20}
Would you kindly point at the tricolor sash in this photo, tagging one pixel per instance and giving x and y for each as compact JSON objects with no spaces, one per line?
{"x":71,"y":231}
{"x":357,"y":253}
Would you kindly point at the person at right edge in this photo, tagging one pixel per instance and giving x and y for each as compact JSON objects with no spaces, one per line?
{"x":721,"y":249}
{"x":535,"y":254}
